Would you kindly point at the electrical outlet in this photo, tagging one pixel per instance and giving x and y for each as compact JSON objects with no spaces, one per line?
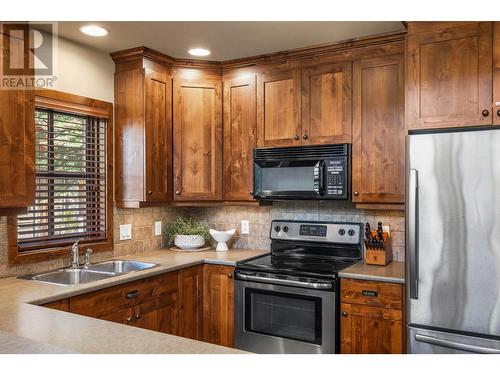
{"x":245,"y":227}
{"x":157,"y":228}
{"x":386,"y":228}
{"x":125,"y":232}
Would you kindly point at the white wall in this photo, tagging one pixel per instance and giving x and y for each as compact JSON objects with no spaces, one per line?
{"x":84,"y":71}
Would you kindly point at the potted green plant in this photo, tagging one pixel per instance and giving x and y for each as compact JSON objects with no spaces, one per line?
{"x":186,"y":233}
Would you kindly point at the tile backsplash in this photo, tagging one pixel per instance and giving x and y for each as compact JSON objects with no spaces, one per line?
{"x":224,"y":218}
{"x":220,"y":218}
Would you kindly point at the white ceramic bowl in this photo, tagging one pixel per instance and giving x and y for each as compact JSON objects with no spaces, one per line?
{"x":222,"y":237}
{"x":183,"y":241}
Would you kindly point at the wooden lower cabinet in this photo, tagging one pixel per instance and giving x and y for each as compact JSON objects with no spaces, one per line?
{"x":218,"y":304}
{"x":194,"y":302}
{"x":190,"y":304}
{"x":371,"y":317}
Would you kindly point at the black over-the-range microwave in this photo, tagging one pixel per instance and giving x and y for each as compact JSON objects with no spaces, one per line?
{"x":307,"y":172}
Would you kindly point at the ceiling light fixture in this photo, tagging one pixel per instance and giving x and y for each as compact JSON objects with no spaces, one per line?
{"x":94,"y":30}
{"x":199,"y":52}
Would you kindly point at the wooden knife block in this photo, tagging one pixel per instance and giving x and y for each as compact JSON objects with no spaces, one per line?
{"x":376,"y":256}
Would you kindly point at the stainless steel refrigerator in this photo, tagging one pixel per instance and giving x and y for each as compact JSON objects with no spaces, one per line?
{"x":453,"y":242}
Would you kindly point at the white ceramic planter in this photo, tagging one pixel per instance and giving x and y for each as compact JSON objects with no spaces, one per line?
{"x":183,"y":241}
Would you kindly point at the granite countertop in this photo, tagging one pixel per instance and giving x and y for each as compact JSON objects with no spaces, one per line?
{"x":394,"y":272}
{"x":28,"y":328}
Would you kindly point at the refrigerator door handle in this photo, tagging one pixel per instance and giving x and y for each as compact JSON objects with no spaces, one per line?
{"x":433,"y":340}
{"x":413,"y":231}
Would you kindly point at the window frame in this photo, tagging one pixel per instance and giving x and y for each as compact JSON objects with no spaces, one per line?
{"x":65,"y":102}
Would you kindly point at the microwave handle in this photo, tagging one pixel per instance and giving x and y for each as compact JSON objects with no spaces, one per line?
{"x":321,"y":169}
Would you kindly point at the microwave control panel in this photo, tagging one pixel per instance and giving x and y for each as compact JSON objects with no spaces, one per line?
{"x":336,"y":178}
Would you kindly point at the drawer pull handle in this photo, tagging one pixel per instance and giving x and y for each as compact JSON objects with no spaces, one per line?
{"x":369,"y":293}
{"x":128,"y":319}
{"x":137,"y":316}
{"x":132,"y":294}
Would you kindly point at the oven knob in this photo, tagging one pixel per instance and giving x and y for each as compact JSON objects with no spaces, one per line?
{"x":277,"y":228}
{"x":342,"y":231}
{"x":285,"y":229}
{"x":351,"y":232}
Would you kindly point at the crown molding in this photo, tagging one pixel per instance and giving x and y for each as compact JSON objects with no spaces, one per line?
{"x":270,"y":58}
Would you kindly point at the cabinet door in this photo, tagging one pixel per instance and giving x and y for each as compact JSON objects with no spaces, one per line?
{"x":198,"y":142}
{"x":278,"y":109}
{"x":218,"y":305}
{"x":157,"y":130}
{"x":17,"y":131}
{"x":240,"y":131}
{"x":378,"y":146}
{"x":190,"y":302}
{"x":496,"y":73}
{"x":449,"y":75}
{"x":168,"y":314}
{"x":370,"y":330}
{"x":326,"y":104}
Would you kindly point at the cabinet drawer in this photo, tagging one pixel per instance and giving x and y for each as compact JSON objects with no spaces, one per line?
{"x":371,"y":293}
{"x":122,"y":296}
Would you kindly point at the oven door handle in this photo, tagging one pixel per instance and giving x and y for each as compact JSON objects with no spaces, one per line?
{"x":304,"y":284}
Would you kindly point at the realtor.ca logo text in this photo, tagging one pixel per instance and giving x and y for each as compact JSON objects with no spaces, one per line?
{"x":29,"y":55}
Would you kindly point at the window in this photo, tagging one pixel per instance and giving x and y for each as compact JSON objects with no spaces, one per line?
{"x":72,"y":182}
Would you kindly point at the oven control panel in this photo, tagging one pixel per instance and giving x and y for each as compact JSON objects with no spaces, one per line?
{"x":328,"y":232}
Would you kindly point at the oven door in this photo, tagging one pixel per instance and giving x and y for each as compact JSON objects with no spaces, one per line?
{"x":283,"y":319}
{"x":288,"y":179}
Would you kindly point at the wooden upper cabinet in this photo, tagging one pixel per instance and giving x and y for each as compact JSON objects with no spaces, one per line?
{"x":218,"y":304}
{"x":143,"y":131}
{"x":326,"y":103}
{"x":278,"y":109}
{"x":496,"y":73}
{"x":17,"y":130}
{"x":378,"y":145}
{"x":158,"y":150}
{"x":240,"y":137}
{"x":197,"y":165}
{"x":449,"y":76}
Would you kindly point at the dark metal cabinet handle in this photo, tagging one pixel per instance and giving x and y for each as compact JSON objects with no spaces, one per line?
{"x":132,"y":294}
{"x":485,"y":113}
{"x":128,"y":319}
{"x":369,"y":293}
{"x":356,"y":193}
{"x":230,"y":276}
{"x":344,"y":314}
{"x":177,"y":192}
{"x":137,"y":316}
{"x":296,"y":137}
{"x":498,"y":113}
{"x":150,"y":192}
{"x":305,"y":136}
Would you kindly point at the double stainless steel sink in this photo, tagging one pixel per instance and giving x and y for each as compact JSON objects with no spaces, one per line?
{"x":90,"y":273}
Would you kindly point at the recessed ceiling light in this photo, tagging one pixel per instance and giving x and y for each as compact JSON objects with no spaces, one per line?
{"x":199,"y":52}
{"x":94,"y":30}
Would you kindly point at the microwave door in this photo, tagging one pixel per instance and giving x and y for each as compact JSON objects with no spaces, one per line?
{"x":288,"y":179}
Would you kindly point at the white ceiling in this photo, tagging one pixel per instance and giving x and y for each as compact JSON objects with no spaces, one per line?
{"x":226,"y":40}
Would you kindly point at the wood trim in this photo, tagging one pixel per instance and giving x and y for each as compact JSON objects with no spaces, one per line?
{"x":219,"y":203}
{"x":14,"y":256}
{"x":315,"y":51}
{"x":375,"y":206}
{"x":269,"y":58}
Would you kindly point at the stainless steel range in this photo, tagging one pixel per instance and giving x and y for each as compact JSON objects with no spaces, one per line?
{"x":288,"y":301}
